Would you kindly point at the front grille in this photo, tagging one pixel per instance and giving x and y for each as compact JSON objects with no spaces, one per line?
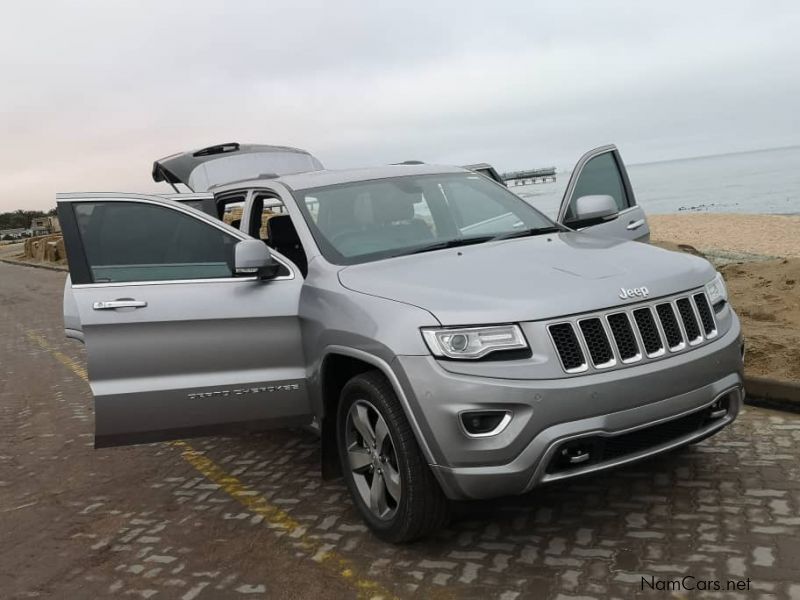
{"x":569,"y":350}
{"x":701,"y":302}
{"x":596,"y":341}
{"x":670,"y":325}
{"x":623,"y":336}
{"x":649,"y":331}
{"x":633,"y":332}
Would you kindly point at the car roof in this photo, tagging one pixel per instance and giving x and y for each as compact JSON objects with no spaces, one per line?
{"x":314,"y":179}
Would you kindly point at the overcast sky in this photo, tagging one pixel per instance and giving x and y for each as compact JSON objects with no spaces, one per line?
{"x":92,"y":92}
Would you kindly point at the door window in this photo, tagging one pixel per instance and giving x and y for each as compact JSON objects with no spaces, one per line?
{"x":230,"y":207}
{"x":600,"y":175}
{"x":131,"y":241}
{"x":264,"y":207}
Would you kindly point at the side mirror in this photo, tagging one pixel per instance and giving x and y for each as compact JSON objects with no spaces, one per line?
{"x":595,"y":207}
{"x":252,"y":257}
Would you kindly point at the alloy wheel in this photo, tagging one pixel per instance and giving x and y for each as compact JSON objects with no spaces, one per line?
{"x":372,"y":459}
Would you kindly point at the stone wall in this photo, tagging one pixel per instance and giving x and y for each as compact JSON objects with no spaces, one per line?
{"x":46,"y":248}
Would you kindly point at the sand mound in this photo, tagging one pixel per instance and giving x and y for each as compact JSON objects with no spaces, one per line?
{"x":768,"y":235}
{"x":766,"y":296}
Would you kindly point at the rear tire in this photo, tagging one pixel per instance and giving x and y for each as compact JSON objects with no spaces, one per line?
{"x":390,"y":481}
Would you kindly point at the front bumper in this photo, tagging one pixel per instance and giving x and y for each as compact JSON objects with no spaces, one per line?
{"x":548,"y":413}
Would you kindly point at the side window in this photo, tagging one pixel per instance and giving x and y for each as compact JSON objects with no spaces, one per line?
{"x":265,"y":206}
{"x":132,"y":241}
{"x":600,"y":175}
{"x":229,"y":209}
{"x":476,"y":210}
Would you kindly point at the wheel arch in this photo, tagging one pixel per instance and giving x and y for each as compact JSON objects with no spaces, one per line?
{"x":339,"y":365}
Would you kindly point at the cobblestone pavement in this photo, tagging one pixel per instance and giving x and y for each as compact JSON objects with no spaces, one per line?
{"x":250,"y":517}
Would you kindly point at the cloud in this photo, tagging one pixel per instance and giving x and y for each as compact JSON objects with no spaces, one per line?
{"x":94,"y":91}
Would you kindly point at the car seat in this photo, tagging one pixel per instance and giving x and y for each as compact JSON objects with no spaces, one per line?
{"x":282,"y":236}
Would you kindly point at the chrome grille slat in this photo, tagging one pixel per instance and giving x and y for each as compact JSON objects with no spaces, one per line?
{"x":673,"y":332}
{"x":626,"y":335}
{"x":624,"y":338}
{"x":689,"y":321}
{"x":648,"y":331}
{"x":706,"y":315}
{"x":597,"y":342}
{"x":568,"y":347}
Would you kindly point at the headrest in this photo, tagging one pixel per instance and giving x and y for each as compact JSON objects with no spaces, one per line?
{"x":393,"y":208}
{"x":281,"y":231}
{"x":370,"y":210}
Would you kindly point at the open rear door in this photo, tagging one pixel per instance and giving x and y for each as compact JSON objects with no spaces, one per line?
{"x":602,"y":172}
{"x":177,"y":344}
{"x":202,"y":169}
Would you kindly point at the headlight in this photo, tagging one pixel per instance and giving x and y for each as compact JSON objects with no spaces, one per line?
{"x":716,"y":290}
{"x":474,"y":342}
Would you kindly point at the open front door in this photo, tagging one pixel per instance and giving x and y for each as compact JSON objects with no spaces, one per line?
{"x":177,"y":345}
{"x":601,"y":172}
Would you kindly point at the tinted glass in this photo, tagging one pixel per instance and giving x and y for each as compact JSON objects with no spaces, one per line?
{"x":368,"y":220}
{"x":265,"y":206}
{"x":130,"y":241}
{"x":238,"y":167}
{"x":599,"y":176}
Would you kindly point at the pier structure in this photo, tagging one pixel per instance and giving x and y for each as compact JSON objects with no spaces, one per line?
{"x":530,"y":176}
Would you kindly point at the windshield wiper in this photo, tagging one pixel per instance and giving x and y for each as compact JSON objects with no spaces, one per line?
{"x":449,"y":244}
{"x":526,"y":232}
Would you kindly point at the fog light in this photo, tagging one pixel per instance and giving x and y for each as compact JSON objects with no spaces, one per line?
{"x":575,"y":455}
{"x":485,"y":423}
{"x":719,"y":408}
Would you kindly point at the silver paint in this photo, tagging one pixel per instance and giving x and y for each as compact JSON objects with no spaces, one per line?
{"x":178,"y":363}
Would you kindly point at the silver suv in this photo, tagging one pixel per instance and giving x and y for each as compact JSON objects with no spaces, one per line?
{"x":447,"y":340}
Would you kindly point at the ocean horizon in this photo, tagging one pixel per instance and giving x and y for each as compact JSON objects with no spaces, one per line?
{"x":755,"y":181}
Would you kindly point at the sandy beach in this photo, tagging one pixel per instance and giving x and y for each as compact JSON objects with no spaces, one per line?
{"x":766,"y":235}
{"x":763,"y":281}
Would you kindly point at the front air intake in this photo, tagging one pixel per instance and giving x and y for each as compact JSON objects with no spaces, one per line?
{"x":568,"y":348}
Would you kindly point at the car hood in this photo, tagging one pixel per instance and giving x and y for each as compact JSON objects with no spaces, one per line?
{"x":527,"y":279}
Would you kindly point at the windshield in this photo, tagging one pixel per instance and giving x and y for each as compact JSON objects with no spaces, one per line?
{"x":368,"y":220}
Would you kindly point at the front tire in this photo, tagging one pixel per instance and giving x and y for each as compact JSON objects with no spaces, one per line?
{"x":391,"y":483}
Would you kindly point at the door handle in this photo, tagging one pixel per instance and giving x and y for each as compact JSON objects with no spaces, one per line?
{"x":635,"y":224}
{"x":122,"y":303}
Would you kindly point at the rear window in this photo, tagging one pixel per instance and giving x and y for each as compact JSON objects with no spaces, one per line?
{"x":238,"y":167}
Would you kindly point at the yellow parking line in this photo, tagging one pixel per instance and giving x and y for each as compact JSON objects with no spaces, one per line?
{"x":280,"y":519}
{"x":75,"y":366}
{"x":273,"y":516}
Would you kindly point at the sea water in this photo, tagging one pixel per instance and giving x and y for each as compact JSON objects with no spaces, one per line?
{"x":763,"y":181}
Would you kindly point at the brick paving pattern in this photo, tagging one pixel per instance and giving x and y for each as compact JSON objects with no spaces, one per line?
{"x":726,"y":509}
